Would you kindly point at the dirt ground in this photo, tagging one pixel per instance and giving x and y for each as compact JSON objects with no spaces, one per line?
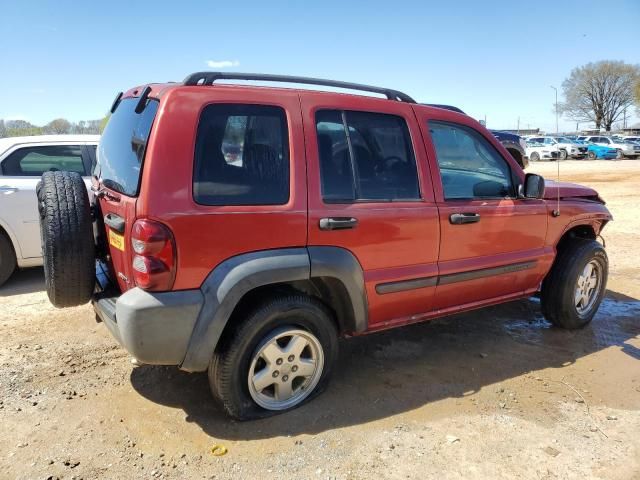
{"x":495,"y":393}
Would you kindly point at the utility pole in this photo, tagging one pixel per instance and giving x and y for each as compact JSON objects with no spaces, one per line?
{"x":518,"y":125}
{"x":556,"y":108}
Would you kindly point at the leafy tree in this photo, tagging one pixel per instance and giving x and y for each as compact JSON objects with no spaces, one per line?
{"x":599,"y":92}
{"x":3,"y":129}
{"x":58,"y":126}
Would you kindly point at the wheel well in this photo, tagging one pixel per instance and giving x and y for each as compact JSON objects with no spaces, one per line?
{"x":580,"y":231}
{"x":330,"y":291}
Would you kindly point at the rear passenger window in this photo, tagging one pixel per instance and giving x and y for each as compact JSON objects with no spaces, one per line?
{"x":34,"y":161}
{"x":365,"y":157}
{"x":242,"y":156}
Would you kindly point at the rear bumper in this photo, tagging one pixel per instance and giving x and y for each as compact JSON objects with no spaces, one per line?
{"x":155,"y":328}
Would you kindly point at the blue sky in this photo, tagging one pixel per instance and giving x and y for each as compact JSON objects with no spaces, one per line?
{"x":69,"y":59}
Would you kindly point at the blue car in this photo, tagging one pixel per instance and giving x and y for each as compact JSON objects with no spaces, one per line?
{"x":600,"y":151}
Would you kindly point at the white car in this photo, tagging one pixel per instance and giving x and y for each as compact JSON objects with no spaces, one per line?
{"x":23,"y":160}
{"x":539,"y":151}
{"x":566,"y":148}
{"x":624,"y":149}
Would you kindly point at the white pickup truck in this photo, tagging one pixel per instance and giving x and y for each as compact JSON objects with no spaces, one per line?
{"x":22,"y":162}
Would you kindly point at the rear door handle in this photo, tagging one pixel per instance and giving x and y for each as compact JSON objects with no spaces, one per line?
{"x":338,"y":223}
{"x":7,"y":190}
{"x":462,"y":218}
{"x":116,"y":222}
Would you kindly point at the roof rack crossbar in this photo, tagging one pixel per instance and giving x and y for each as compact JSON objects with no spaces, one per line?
{"x":208,"y":78}
{"x":446,"y":107}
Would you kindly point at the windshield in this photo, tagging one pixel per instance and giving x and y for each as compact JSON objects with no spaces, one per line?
{"x":122,"y":146}
{"x":563,"y":140}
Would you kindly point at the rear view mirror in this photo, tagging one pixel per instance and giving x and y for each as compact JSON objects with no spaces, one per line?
{"x":533,"y":186}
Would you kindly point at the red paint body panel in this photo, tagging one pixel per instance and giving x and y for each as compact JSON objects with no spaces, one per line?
{"x":394,"y":241}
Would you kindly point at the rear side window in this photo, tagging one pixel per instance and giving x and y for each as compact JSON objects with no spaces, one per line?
{"x":123,"y":145}
{"x":365,"y":157}
{"x":242,"y":156}
{"x":469,"y":165}
{"x":34,"y":161}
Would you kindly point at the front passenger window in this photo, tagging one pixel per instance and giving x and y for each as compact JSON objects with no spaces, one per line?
{"x":470,"y":167}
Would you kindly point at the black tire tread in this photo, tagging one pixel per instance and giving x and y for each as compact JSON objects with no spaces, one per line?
{"x":558,"y":286}
{"x":67,"y":238}
{"x":7,"y":258}
{"x":224,"y":363}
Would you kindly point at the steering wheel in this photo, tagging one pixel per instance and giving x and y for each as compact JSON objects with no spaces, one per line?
{"x":389,"y":164}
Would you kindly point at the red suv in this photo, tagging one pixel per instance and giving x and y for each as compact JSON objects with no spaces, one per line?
{"x":243,"y":229}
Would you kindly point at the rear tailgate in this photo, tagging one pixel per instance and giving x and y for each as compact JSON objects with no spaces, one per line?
{"x":118,"y":169}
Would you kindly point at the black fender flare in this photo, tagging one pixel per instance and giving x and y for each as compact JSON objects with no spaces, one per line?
{"x":227,"y":283}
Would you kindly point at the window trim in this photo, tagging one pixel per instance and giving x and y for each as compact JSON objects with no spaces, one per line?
{"x":22,"y":146}
{"x":354,"y":168}
{"x":513,"y":178}
{"x":286,"y":148}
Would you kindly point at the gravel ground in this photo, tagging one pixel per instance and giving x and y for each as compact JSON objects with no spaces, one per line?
{"x":495,"y":393}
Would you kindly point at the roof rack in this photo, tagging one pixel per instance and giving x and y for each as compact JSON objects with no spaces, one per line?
{"x":446,"y":107}
{"x":208,"y":78}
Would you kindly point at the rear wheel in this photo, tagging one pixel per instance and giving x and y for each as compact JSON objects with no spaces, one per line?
{"x":7,"y":258}
{"x":66,"y":231}
{"x":534,"y":157}
{"x":279,"y":357}
{"x":575,"y":286}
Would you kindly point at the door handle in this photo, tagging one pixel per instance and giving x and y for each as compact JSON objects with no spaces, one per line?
{"x":338,"y":223}
{"x":115,"y":222}
{"x":7,"y":190}
{"x":462,"y":218}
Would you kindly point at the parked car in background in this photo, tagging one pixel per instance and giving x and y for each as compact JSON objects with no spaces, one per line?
{"x":630,"y":150}
{"x":601,"y":152}
{"x":23,"y":160}
{"x":634,"y":139}
{"x":566,"y":147}
{"x":515,"y":145}
{"x":540,"y":151}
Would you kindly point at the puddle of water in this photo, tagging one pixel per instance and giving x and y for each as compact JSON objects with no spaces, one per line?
{"x":614,"y":324}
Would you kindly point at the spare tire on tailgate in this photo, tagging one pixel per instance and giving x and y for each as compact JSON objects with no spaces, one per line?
{"x":67,"y":238}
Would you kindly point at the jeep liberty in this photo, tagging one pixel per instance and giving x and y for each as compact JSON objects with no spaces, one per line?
{"x":242,"y":229}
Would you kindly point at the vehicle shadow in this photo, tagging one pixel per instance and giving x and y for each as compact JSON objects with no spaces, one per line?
{"x":387,"y":373}
{"x":28,"y":280}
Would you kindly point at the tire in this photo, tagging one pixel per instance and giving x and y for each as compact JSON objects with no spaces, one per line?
{"x":7,"y":258}
{"x":592,"y":155}
{"x":240,"y":353}
{"x":563,"y":155}
{"x":66,"y":231}
{"x":534,"y":157}
{"x":619,"y":155}
{"x":560,"y":287}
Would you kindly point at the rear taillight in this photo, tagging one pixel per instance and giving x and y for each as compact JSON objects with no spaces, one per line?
{"x":154,"y":259}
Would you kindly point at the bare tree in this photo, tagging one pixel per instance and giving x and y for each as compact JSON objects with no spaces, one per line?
{"x":3,"y":129}
{"x":58,"y":126}
{"x":637,"y":96}
{"x":599,"y":92}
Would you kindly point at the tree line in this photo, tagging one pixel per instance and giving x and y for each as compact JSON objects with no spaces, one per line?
{"x":601,"y":93}
{"x":59,"y":126}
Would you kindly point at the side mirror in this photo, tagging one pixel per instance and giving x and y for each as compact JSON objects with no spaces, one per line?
{"x":533,"y":186}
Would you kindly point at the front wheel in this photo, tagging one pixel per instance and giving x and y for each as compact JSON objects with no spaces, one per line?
{"x":279,"y":357}
{"x":575,"y":286}
{"x":591,"y":155}
{"x":563,"y":155}
{"x":534,"y":157}
{"x":619,"y":155}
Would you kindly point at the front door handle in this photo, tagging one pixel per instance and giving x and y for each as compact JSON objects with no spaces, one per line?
{"x":338,"y":223}
{"x":462,"y":218}
{"x":7,"y":190}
